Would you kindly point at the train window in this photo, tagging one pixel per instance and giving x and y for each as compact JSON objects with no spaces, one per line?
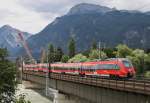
{"x":62,"y":68}
{"x":56,"y":68}
{"x":52,"y":68}
{"x":92,"y":68}
{"x":127,"y":64}
{"x":108,"y":66}
{"x":96,"y":66}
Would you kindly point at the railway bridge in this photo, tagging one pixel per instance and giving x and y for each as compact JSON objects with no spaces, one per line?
{"x":94,"y":90}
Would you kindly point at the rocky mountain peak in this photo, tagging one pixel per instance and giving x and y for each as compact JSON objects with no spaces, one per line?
{"x":9,"y":38}
{"x":6,"y":27}
{"x":85,"y":8}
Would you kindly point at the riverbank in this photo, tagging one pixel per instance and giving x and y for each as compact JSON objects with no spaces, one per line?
{"x":34,"y":95}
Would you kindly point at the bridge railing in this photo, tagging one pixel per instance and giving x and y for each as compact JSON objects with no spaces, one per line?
{"x":139,"y":86}
{"x":131,"y":85}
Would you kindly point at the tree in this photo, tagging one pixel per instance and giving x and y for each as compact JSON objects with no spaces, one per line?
{"x":147,"y":74}
{"x":3,"y":54}
{"x":7,"y":78}
{"x":50,"y":53}
{"x":123,"y":51}
{"x":95,"y":54}
{"x":86,"y":53}
{"x":71,"y":47}
{"x":111,"y":53}
{"x":147,"y":62}
{"x":138,"y":58}
{"x":65,"y":58}
{"x":58,"y":53}
{"x":79,"y":58}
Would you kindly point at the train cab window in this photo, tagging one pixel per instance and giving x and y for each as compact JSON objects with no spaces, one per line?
{"x":116,"y":67}
{"x":127,"y":64}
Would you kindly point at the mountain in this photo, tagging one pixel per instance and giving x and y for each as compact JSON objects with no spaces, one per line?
{"x":87,"y":22}
{"x":85,"y":8}
{"x":9,"y":38}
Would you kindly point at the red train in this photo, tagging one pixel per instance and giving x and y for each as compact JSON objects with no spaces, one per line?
{"x":120,"y":67}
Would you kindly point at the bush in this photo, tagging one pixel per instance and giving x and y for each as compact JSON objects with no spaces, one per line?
{"x":147,"y":74}
{"x":65,"y":58}
{"x":94,"y":54}
{"x":138,"y":58}
{"x":123,"y":51}
{"x":79,"y":58}
{"x":21,"y":99}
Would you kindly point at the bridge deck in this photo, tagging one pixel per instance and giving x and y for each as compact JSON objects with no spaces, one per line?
{"x":136,"y":86}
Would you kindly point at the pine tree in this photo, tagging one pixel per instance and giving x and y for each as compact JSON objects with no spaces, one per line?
{"x":3,"y":54}
{"x":50,"y":53}
{"x":71,"y":47}
{"x":59,"y":54}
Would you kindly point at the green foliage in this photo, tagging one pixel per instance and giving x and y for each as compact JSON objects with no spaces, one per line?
{"x":95,"y":54}
{"x":71,"y":47}
{"x":137,"y":64}
{"x":21,"y":99}
{"x":138,"y":58}
{"x":147,"y":74}
{"x":147,"y":61}
{"x":111,"y":53}
{"x":123,"y":51}
{"x":86,"y":53}
{"x":7,"y":78}
{"x":65,"y":58}
{"x":139,"y":53}
{"x":54,"y":54}
{"x":3,"y":54}
{"x":58,"y":54}
{"x":50,"y":53}
{"x":79,"y":58}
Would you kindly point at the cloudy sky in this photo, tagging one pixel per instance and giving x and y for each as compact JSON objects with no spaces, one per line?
{"x":33,"y":15}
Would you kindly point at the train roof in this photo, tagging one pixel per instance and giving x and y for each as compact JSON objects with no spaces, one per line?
{"x":106,"y":61}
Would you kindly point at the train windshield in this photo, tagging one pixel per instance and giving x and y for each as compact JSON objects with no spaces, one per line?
{"x":127,"y":64}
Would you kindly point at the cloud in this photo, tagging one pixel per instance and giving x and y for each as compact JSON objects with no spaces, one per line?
{"x":33,"y":15}
{"x":142,"y":5}
{"x":60,"y":7}
{"x":14,"y":14}
{"x":54,"y":6}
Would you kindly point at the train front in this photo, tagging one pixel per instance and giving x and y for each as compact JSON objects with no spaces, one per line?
{"x":128,"y":68}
